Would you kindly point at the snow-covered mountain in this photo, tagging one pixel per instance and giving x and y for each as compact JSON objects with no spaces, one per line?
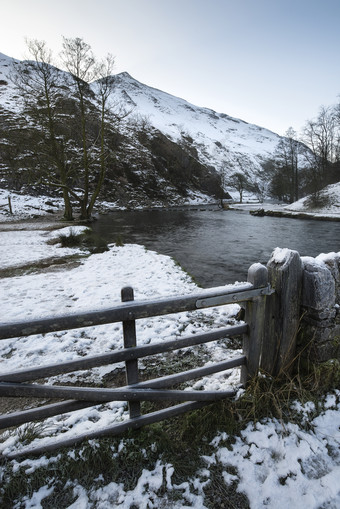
{"x":219,"y":139}
{"x":7,"y":90}
{"x":180,"y":142}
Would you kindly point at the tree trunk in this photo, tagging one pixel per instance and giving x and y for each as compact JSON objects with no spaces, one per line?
{"x":68,"y":212}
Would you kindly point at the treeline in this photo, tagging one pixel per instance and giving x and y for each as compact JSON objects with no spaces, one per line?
{"x":306,"y":164}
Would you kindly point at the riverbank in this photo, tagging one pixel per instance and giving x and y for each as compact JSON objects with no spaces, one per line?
{"x":323,"y":207}
{"x":294,"y":215}
{"x":36,"y":209}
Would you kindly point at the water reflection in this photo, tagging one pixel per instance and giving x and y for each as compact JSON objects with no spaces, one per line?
{"x":215,"y":246}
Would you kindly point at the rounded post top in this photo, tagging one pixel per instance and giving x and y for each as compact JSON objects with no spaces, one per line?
{"x":258,"y":275}
{"x":127,"y":293}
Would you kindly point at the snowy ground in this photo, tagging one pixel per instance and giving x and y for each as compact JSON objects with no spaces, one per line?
{"x":25,"y":206}
{"x":332,"y":206}
{"x":275,"y":465}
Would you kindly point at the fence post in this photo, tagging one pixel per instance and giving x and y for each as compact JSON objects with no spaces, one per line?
{"x":283,"y":311}
{"x":10,"y":205}
{"x":129,"y":332}
{"x":255,"y":318}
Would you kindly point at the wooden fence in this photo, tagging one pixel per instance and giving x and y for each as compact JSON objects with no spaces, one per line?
{"x":257,"y":294}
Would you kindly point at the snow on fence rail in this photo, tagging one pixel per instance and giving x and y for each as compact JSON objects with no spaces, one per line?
{"x":269,"y":335}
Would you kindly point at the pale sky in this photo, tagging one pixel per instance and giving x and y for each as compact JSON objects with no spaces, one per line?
{"x":269,"y":62}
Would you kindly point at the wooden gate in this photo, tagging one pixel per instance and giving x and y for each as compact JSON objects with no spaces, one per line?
{"x":17,"y":384}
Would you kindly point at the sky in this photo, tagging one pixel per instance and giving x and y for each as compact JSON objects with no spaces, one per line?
{"x":273,"y":63}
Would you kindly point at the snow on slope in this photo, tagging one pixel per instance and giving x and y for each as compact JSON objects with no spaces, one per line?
{"x":175,"y":116}
{"x":7,"y":89}
{"x":329,"y":202}
{"x":218,"y":138}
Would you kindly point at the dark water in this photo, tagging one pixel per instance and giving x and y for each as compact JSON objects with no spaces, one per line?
{"x":217,"y":247}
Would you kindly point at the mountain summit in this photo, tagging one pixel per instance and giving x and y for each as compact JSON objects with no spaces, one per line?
{"x":220,"y":134}
{"x":217,"y":140}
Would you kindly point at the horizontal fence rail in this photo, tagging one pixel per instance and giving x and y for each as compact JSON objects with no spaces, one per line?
{"x":120,"y":355}
{"x":132,"y":311}
{"x":68,"y":406}
{"x":15,"y":384}
{"x":106,"y":395}
{"x":113,"y":430}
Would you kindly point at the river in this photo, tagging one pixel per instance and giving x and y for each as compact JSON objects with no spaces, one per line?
{"x":215,"y":246}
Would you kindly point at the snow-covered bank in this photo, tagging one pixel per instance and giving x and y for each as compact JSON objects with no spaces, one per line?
{"x":329,"y":202}
{"x":22,"y":247}
{"x":327,"y":206}
{"x":96,"y":284}
{"x":287,"y":465}
{"x":276,"y":466}
{"x":25,"y":206}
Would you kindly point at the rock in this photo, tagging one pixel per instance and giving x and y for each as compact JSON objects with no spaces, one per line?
{"x":318,"y":287}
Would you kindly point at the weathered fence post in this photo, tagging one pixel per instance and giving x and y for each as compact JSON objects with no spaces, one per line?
{"x":283,"y":312}
{"x":10,"y":205}
{"x":129,"y":332}
{"x":255,"y":318}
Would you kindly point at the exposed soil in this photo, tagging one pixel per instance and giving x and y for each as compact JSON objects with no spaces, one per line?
{"x":47,"y":265}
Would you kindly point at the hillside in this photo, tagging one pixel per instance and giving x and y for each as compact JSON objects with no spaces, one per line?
{"x":327,"y":202}
{"x":166,"y":150}
{"x":217,"y":138}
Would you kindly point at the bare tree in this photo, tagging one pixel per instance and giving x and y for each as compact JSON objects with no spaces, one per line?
{"x":105,"y":87}
{"x":240,"y":182}
{"x":79,"y":61}
{"x":285,"y":181}
{"x":73,"y":127}
{"x":226,"y":166}
{"x":322,"y":137}
{"x":38,"y":82}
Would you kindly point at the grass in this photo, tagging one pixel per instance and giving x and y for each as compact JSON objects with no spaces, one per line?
{"x":217,"y":494}
{"x":120,"y":460}
{"x":71,"y":239}
{"x":324,"y":375}
{"x":180,"y":441}
{"x":119,"y":241}
{"x":89,"y":240}
{"x":112,"y":460}
{"x":30,"y":432}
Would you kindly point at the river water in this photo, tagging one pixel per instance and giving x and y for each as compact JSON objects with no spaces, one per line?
{"x":217,"y":247}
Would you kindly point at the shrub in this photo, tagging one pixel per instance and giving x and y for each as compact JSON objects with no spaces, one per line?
{"x":71,"y":239}
{"x":87,"y":239}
